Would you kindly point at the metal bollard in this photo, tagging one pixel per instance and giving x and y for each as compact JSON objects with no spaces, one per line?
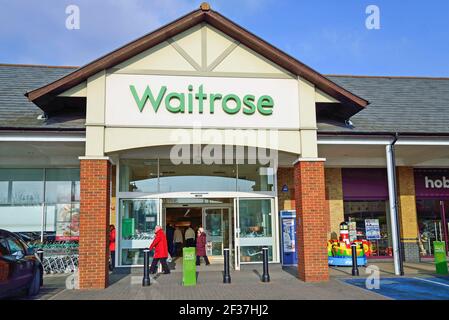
{"x":40,"y":254}
{"x":355,"y":269}
{"x":146,"y":268}
{"x":265,"y":275}
{"x":226,"y":274}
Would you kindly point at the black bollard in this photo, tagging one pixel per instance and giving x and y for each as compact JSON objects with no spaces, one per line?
{"x":226,"y":274}
{"x":40,"y":254}
{"x":265,"y":275}
{"x":146,"y":268}
{"x":355,"y":269}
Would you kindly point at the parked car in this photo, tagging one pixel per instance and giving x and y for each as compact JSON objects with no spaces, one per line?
{"x":20,"y":268}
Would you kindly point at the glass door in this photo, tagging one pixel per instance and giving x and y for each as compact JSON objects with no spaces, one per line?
{"x":216,"y":222}
{"x":137,"y":220}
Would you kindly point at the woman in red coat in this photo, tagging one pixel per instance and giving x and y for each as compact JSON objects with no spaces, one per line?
{"x":160,"y":247}
{"x":201,"y":247}
{"x":112,"y":246}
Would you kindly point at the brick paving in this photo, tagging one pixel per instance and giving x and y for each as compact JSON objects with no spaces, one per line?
{"x":246,"y":284}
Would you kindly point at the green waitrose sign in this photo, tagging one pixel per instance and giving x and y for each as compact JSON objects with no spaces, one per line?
{"x":439,"y":253}
{"x":188,"y":266}
{"x":199,"y":100}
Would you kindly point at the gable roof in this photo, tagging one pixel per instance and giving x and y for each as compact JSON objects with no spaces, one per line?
{"x":408,"y":105}
{"x":45,"y":93}
{"x":16,"y":112}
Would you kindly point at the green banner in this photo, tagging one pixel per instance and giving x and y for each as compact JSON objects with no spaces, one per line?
{"x":440,"y":257}
{"x":188,"y":266}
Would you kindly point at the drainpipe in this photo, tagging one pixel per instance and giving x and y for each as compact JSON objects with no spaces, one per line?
{"x":392,"y":194}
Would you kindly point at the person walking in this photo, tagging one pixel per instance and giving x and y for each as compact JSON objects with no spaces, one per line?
{"x":190,"y":237}
{"x":201,"y":247}
{"x":159,"y":245}
{"x":170,"y":231}
{"x":112,"y":247}
{"x":178,"y":240}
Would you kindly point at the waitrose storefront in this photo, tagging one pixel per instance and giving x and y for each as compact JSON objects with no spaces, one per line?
{"x":202,"y":123}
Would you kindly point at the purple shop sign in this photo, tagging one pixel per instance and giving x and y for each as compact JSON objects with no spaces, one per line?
{"x":365,"y":184}
{"x":432,"y":183}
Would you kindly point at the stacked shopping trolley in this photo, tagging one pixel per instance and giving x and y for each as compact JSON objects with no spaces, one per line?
{"x":59,"y":256}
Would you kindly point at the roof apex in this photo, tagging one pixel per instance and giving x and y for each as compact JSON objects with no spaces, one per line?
{"x":204,"y":14}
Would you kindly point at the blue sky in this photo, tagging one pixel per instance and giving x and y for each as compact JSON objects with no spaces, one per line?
{"x":328,"y":35}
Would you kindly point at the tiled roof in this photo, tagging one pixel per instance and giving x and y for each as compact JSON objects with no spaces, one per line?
{"x":397,"y":104}
{"x":15,"y":109}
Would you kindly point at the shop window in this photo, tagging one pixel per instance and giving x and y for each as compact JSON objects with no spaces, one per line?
{"x":196,"y":177}
{"x":255,"y":218}
{"x":256,"y":232}
{"x":254,"y":253}
{"x":375,"y":212}
{"x":255,"y":178}
{"x":4,"y":192}
{"x":431,"y":224}
{"x":139,"y":176}
{"x":22,"y":200}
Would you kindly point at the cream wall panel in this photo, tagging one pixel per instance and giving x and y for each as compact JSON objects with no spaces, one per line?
{"x":96,"y":86}
{"x":243,"y":59}
{"x":190,"y":42}
{"x":160,"y":57}
{"x":307,"y":114}
{"x":94,"y":141}
{"x":117,"y":139}
{"x":321,"y":96}
{"x":77,"y":91}
{"x":309,"y":147}
{"x":217,"y":42}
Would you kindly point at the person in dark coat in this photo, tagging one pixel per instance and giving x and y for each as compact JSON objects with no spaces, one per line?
{"x":159,"y":245}
{"x":170,"y":232}
{"x":201,"y":247}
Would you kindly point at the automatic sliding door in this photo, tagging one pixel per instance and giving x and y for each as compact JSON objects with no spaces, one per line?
{"x":138,"y":218}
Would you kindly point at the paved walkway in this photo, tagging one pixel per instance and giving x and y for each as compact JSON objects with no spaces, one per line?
{"x":246,"y":284}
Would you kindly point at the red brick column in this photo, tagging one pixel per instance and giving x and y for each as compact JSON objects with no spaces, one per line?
{"x":312,"y":221}
{"x":94,"y":224}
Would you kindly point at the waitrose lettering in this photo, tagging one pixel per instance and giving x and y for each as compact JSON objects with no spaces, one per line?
{"x":200,"y":101}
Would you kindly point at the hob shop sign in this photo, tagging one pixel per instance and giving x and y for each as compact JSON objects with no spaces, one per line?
{"x":431,"y":183}
{"x":216,"y":102}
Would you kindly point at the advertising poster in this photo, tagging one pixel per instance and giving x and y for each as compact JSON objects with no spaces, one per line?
{"x":288,"y":234}
{"x":352,"y":231}
{"x":372,"y":229}
{"x":67,"y":222}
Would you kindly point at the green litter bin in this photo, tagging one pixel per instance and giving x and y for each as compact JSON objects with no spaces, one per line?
{"x":439,"y":253}
{"x":188,"y":266}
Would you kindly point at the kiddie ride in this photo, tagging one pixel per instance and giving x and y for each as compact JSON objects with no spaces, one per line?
{"x":340,"y":253}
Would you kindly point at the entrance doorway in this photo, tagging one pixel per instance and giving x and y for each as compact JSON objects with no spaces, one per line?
{"x":215,"y":216}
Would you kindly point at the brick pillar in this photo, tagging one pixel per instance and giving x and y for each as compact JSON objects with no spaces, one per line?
{"x":334,"y":197}
{"x":312,"y":221}
{"x":408,"y":219}
{"x":94,"y":223}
